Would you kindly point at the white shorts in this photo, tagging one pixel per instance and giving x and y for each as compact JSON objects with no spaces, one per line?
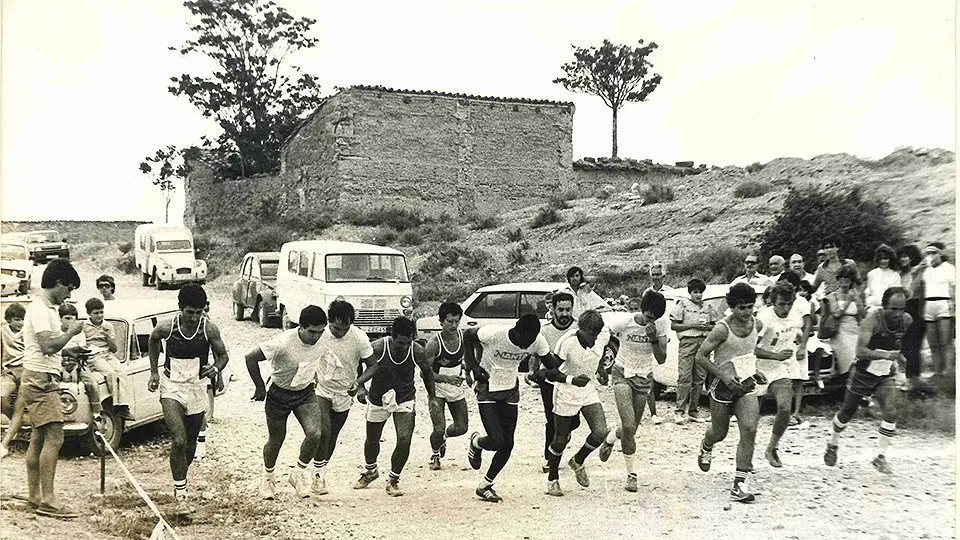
{"x":192,"y":395}
{"x":380,"y":413}
{"x":449,"y":392}
{"x":341,"y":402}
{"x":569,"y":399}
{"x":934,"y":310}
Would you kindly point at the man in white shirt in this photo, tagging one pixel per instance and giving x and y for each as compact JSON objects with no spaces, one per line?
{"x":657,"y":274}
{"x":775,"y":267}
{"x":796,"y":264}
{"x":584,"y":297}
{"x":939,"y":282}
{"x":751,"y":276}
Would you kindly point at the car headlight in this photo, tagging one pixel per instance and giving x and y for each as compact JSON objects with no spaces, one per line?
{"x":21,"y":274}
{"x":406,"y":302}
{"x":68,"y":403}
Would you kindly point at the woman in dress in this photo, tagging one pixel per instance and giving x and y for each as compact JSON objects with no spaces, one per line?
{"x":845,"y":304}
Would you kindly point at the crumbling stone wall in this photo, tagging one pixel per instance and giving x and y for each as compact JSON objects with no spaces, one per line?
{"x":591,"y":174}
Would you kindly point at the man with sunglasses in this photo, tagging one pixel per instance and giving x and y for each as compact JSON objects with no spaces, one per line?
{"x":107,"y":287}
{"x":751,"y":276}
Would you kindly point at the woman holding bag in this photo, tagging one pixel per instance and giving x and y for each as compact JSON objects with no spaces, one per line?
{"x":846,"y":308}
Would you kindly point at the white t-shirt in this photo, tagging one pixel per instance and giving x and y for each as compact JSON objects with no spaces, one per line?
{"x":294,"y":362}
{"x":580,"y":361}
{"x":501,"y":358}
{"x":778,"y":335}
{"x":338,"y":359}
{"x":938,"y":282}
{"x":552,"y":334}
{"x":636,"y":352}
{"x":40,"y":317}
{"x":878,"y":281}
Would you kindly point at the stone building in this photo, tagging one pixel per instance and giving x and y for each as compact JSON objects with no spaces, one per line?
{"x":373,"y":146}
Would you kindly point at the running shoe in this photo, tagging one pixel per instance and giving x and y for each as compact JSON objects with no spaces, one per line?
{"x":474,"y":456}
{"x":300,"y":482}
{"x":393,"y":488}
{"x":830,"y":456}
{"x":773,"y":458}
{"x":697,"y":418}
{"x":631,"y":483}
{"x":435,"y":462}
{"x":200,"y":452}
{"x":580,"y":471}
{"x":737,"y":494}
{"x":553,"y":488}
{"x":268,"y":488}
{"x":704,"y":459}
{"x":679,"y":418}
{"x":656,"y":419}
{"x":183,"y":506}
{"x":319,"y":484}
{"x":605,"y":450}
{"x":880,"y":464}
{"x":366,"y":478}
{"x":487,"y":494}
{"x":59,"y":512}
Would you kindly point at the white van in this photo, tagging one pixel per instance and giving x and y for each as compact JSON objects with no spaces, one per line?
{"x":165,"y":255}
{"x":372,"y":278}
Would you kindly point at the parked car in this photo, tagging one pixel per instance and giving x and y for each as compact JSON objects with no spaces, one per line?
{"x":15,"y":262}
{"x":256,"y":288}
{"x":42,"y":245}
{"x":132,"y":320}
{"x":165,"y":255}
{"x":9,"y":285}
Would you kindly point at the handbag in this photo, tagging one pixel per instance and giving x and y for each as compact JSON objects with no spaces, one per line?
{"x":830,"y":324}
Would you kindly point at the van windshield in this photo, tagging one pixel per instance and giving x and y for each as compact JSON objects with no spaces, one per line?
{"x":173,"y":245}
{"x":9,"y":252}
{"x":366,"y":267}
{"x":43,"y":236}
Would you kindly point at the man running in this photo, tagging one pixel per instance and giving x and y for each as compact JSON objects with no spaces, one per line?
{"x":189,"y":338}
{"x":874,"y":374}
{"x":392,"y":394}
{"x":342,"y":348}
{"x":578,"y":376}
{"x":445,"y":353}
{"x":733,"y":386}
{"x":292,"y":355}
{"x":502,"y":349}
{"x":643,"y":339}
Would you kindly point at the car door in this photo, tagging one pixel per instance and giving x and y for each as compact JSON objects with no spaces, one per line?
{"x":253,"y":282}
{"x":491,"y":308}
{"x":146,"y":404}
{"x":240,"y":286}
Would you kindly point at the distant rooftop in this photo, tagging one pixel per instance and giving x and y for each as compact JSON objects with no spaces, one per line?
{"x":460,"y":96}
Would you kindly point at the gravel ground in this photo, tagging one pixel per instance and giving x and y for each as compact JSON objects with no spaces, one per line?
{"x":804,"y":499}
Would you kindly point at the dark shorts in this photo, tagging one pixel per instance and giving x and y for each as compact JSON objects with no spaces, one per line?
{"x":638,"y":384}
{"x":40,"y":393}
{"x":484,"y":395}
{"x":280,"y":402}
{"x":722,"y":394}
{"x":866,"y":384}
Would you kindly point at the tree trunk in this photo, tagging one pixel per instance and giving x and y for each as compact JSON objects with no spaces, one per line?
{"x":614,"y":150}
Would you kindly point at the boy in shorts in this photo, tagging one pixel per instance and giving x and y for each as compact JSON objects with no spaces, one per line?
{"x":11,"y":364}
{"x":102,"y":342}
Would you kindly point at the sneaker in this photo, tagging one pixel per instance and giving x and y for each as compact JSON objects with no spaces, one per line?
{"x":773,"y":458}
{"x":880,"y":464}
{"x":631,"y":483}
{"x":268,"y":488}
{"x":435,"y":462}
{"x":183,"y":506}
{"x":487,"y":494}
{"x":656,"y":419}
{"x":319,"y":485}
{"x":679,"y":418}
{"x":393,"y":488}
{"x":366,"y":478}
{"x":58,"y":512}
{"x":605,"y":450}
{"x":830,"y":456}
{"x":704,"y":459}
{"x":473,"y":453}
{"x":694,"y":417}
{"x":580,"y":471}
{"x":298,"y":479}
{"x":553,"y":488}
{"x":794,"y":421}
{"x":443,"y":448}
{"x":737,"y":494}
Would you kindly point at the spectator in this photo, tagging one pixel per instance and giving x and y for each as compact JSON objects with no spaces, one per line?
{"x":11,"y":360}
{"x":751,"y":276}
{"x":107,"y":287}
{"x":939,"y":282}
{"x":796,"y":264}
{"x":775,"y":267}
{"x":584,"y":297}
{"x":657,"y":274}
{"x":102,"y":342}
{"x":845,"y":304}
{"x":882,"y":277}
{"x":911,"y":279}
{"x":692,"y":320}
{"x":825,"y":278}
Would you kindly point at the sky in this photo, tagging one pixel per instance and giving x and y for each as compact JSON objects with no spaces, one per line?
{"x":83,"y":83}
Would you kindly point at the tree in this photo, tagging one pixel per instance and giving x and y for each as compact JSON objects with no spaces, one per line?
{"x":616,"y":73}
{"x":253,"y":94}
{"x":165,"y":166}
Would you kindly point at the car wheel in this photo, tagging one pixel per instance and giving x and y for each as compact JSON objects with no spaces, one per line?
{"x":144,"y":279}
{"x":24,"y":287}
{"x":262,"y":316}
{"x":113,"y":426}
{"x":238,"y":311}
{"x":285,"y":321}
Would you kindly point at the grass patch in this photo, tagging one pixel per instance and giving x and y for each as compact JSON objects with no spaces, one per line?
{"x":384,"y":235}
{"x":658,"y":192}
{"x":557,"y":202}
{"x":269,"y":238}
{"x":602,"y":194}
{"x":635,"y":245}
{"x":517,"y":255}
{"x":482,"y":222}
{"x":938,"y":413}
{"x":546,"y":216}
{"x":399,"y":219}
{"x":749,"y":189}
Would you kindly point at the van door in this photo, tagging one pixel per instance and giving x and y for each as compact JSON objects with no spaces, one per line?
{"x":318,"y":281}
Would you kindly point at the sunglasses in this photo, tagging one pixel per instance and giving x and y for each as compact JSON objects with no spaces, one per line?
{"x":102,"y":285}
{"x":749,"y":262}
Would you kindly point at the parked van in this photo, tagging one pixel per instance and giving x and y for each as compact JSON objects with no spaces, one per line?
{"x":164,"y":254}
{"x":372,"y":278}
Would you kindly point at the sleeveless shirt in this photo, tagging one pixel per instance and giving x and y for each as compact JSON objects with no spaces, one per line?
{"x":393,"y":375}
{"x":449,"y":362}
{"x":185,"y":356}
{"x":735,"y":346}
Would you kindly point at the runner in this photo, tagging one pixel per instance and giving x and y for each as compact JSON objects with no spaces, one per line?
{"x":692,"y":320}
{"x":878,"y":353}
{"x":392,"y":394}
{"x":343,"y":347}
{"x":733,"y":384}
{"x":189,"y":338}
{"x":292,"y":355}
{"x":445,"y":354}
{"x":643,"y":339}
{"x":578,"y":376}
{"x":494,"y":368}
{"x":561,"y":323}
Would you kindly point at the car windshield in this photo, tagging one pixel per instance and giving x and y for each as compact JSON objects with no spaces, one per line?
{"x":269,"y":268}
{"x":14,"y":253}
{"x":366,"y":267}
{"x":41,"y":237}
{"x":174,"y":245}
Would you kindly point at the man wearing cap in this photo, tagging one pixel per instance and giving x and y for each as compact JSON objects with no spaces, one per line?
{"x":939,"y":281}
{"x":107,"y":287}
{"x":775,"y":267}
{"x":796,"y":265}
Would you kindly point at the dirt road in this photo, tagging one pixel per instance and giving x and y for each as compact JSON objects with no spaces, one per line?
{"x":804,"y":499}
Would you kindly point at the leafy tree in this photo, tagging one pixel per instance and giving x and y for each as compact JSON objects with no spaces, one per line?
{"x":253,"y":93}
{"x":616,"y":73}
{"x":166,"y":166}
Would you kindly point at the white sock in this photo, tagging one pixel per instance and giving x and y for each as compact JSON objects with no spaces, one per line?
{"x":628,"y":460}
{"x":887,"y":429}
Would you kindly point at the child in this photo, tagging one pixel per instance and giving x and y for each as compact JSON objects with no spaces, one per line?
{"x":102,"y":343}
{"x":75,"y":350}
{"x":11,"y":363}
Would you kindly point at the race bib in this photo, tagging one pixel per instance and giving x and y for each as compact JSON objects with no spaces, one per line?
{"x":745,"y":365}
{"x":306,"y":373}
{"x":880,"y":368}
{"x":185,"y":369}
{"x":330,"y":366}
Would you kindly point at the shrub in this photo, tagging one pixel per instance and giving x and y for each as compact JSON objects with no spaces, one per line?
{"x":125,"y":247}
{"x":602,"y":194}
{"x":447,"y":258}
{"x":384,"y":236}
{"x":557,"y":202}
{"x":269,"y":238}
{"x":613,"y":282}
{"x":442,"y":230}
{"x":309,"y":223}
{"x":546,"y":216}
{"x":810,"y":216}
{"x":570,"y":194}
{"x":514,"y":235}
{"x":517,"y":255}
{"x":397,"y":218}
{"x":754,"y":167}
{"x":451,"y":272}
{"x":707,"y":217}
{"x":720,"y":262}
{"x":410,"y":237}
{"x":658,"y":192}
{"x":480,"y":222}
{"x":749,"y":189}
{"x":635,"y":245}
{"x":127,"y":264}
{"x":934,"y":414}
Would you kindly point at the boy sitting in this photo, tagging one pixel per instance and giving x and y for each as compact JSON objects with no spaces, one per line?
{"x":103,"y":344}
{"x":11,"y":363}
{"x":73,"y":352}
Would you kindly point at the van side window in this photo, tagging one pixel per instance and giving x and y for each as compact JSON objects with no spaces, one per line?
{"x":305,"y":259}
{"x":318,"y":267}
{"x":292,"y":261}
